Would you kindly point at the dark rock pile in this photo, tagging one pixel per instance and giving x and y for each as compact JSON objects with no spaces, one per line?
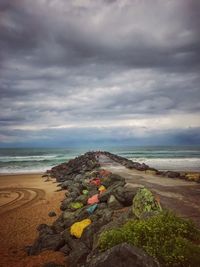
{"x":71,"y":169}
{"x":129,"y":163}
{"x":96,"y":200}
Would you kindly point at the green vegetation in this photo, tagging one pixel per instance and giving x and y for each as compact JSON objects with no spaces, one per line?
{"x":168,"y":238}
{"x":144,"y":201}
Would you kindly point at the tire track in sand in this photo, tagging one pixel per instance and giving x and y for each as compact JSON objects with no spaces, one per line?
{"x":25,"y":198}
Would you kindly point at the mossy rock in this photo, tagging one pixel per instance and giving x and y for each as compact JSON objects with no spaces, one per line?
{"x":144,"y":201}
{"x":193,"y":177}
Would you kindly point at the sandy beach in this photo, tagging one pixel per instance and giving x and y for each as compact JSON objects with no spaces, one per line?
{"x":25,"y":201}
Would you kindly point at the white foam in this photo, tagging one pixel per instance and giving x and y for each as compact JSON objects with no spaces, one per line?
{"x":174,"y":164}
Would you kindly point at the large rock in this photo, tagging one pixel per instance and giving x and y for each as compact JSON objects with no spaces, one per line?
{"x":69,"y":217}
{"x":144,"y":201}
{"x":113,"y":203}
{"x":65,"y":203}
{"x":111,"y":179}
{"x":82,"y":198}
{"x":125,"y":194}
{"x":79,"y":254}
{"x":123,"y":255}
{"x":171,"y":174}
{"x":110,"y":191}
{"x":65,"y":249}
{"x":101,"y":218}
{"x":47,"y":242}
{"x":67,"y":183}
{"x":58,"y":225}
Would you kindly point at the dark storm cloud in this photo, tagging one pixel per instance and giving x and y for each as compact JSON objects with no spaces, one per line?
{"x":117,"y":63}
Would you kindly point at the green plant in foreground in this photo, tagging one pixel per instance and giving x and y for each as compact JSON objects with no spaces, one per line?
{"x":168,"y":238}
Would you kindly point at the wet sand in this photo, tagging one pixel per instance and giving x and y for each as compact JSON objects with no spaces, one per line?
{"x":25,"y":201}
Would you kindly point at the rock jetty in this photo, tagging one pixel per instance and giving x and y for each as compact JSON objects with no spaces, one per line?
{"x":95,"y":200}
{"x":143,"y":167}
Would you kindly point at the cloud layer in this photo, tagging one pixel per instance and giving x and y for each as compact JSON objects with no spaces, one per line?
{"x":99,"y":70}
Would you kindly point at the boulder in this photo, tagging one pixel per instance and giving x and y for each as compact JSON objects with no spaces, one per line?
{"x":111,"y":179}
{"x":92,"y":192}
{"x":144,"y":201}
{"x":78,"y":178}
{"x":58,"y":225}
{"x":69,"y":217}
{"x":172,"y":174}
{"x":47,"y":242}
{"x":45,"y":229}
{"x":79,"y":254}
{"x":121,"y":255}
{"x":65,"y":203}
{"x":82,"y":198}
{"x":113,"y":203}
{"x":91,"y":231}
{"x":65,"y":184}
{"x":125,"y":194}
{"x":103,"y":197}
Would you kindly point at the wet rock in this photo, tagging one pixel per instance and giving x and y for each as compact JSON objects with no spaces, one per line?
{"x":120,"y":256}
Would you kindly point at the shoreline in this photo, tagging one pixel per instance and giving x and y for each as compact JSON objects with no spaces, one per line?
{"x":27,"y":198}
{"x":21,"y":173}
{"x":25,"y":201}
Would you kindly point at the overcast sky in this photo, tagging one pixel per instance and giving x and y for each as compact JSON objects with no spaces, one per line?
{"x":103,"y":71}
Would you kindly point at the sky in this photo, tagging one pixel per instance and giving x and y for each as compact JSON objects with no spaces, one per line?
{"x":80,"y":72}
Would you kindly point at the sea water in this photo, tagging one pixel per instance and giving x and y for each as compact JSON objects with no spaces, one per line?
{"x":32,"y":160}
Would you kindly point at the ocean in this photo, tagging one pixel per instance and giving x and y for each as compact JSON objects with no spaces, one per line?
{"x":33,"y":160}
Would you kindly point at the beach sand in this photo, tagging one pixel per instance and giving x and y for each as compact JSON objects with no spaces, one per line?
{"x":25,"y":201}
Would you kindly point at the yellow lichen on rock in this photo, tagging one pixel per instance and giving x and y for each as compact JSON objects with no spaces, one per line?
{"x":193,"y":177}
